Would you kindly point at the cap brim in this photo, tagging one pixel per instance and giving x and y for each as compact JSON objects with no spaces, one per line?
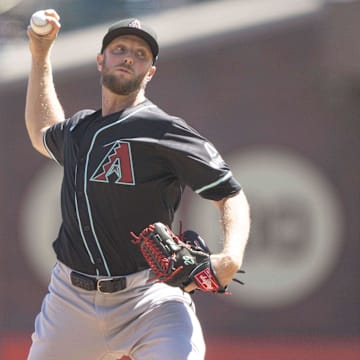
{"x":111,"y":35}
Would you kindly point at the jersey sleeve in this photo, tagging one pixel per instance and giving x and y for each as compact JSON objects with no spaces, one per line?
{"x":54,"y":136}
{"x":197,"y":163}
{"x":54,"y":141}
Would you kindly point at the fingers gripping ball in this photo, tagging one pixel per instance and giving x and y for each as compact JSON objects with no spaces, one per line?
{"x":39,"y":23}
{"x":177,"y":260}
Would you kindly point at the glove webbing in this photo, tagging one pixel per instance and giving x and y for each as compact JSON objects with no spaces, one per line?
{"x":154,"y":256}
{"x":161,"y":265}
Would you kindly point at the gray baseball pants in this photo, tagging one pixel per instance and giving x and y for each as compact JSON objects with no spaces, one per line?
{"x":145,"y":321}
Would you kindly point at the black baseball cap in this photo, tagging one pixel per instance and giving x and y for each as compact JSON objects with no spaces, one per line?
{"x":132,"y":26}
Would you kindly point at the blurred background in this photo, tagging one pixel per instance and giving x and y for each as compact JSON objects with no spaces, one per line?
{"x":275,"y":84}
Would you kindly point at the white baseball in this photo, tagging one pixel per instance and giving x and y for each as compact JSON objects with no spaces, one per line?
{"x":39,"y":23}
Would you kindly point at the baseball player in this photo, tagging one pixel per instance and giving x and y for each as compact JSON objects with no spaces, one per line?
{"x":125,"y":166}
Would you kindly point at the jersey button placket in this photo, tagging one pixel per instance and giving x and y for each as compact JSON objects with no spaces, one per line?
{"x":84,"y":215}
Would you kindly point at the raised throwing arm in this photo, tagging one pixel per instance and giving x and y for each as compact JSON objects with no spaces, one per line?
{"x":43,"y":108}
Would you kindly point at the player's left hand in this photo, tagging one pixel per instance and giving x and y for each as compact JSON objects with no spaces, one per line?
{"x":184,"y":261}
{"x":224,"y":267}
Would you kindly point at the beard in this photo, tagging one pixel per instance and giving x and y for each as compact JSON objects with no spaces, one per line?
{"x":121,"y":86}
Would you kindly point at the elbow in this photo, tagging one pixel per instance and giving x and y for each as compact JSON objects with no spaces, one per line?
{"x":36,"y":145}
{"x":36,"y":140}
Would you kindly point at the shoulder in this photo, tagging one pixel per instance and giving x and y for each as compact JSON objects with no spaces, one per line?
{"x":72,"y":121}
{"x":164,"y":120}
{"x":78,"y":117}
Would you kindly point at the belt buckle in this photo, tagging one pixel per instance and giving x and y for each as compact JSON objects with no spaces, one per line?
{"x":98,"y":285}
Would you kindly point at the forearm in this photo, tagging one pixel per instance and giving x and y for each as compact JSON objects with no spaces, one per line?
{"x":43,"y":108}
{"x":235,"y":220}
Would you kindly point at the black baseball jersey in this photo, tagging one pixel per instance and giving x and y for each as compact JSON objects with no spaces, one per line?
{"x":123,"y":172}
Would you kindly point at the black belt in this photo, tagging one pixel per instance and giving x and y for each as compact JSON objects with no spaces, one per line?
{"x":109,"y":285}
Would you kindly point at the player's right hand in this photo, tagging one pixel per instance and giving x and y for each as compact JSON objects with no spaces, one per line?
{"x":41,"y":44}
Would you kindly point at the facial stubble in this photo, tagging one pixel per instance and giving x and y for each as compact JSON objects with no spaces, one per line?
{"x":121,"y":86}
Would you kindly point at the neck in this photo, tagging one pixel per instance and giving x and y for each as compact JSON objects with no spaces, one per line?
{"x":112,"y":103}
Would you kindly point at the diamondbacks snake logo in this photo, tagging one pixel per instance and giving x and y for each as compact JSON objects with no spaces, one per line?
{"x":116,"y":166}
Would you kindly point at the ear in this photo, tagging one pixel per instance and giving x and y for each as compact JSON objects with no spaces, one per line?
{"x":100,"y":61}
{"x":150,"y":73}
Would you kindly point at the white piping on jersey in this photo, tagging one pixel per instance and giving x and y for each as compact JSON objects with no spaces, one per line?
{"x":47,"y":148}
{"x":76,"y":203}
{"x":85,"y":179}
{"x":146,"y":139}
{"x":82,"y":233}
{"x":80,"y":226}
{"x":215,"y":183}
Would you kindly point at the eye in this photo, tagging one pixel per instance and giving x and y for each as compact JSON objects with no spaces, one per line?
{"x":141,"y":54}
{"x":118,"y":49}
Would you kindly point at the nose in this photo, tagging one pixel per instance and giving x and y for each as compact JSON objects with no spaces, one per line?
{"x":128,"y":60}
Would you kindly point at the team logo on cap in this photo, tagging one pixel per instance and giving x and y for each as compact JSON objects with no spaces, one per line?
{"x":135,"y":24}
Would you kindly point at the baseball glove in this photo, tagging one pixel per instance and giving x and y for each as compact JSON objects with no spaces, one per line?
{"x":178,"y":260}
